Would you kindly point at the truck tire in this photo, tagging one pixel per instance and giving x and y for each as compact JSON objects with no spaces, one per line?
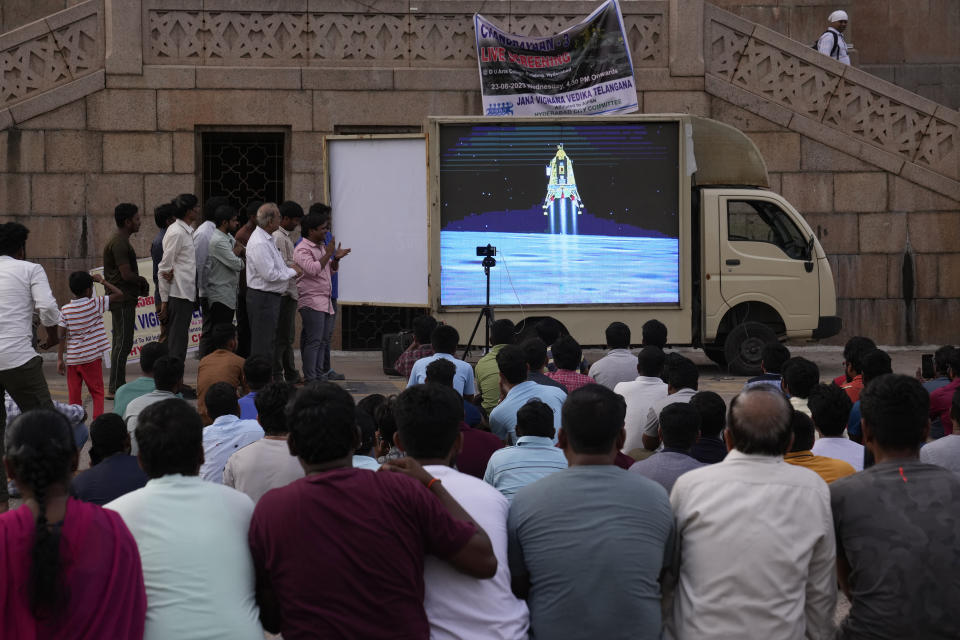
{"x":744,"y":346}
{"x":716,"y":355}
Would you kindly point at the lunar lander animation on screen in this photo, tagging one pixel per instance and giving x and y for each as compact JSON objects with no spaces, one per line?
{"x":562,"y":203}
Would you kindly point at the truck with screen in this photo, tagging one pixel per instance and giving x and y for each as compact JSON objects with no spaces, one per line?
{"x":623,"y":218}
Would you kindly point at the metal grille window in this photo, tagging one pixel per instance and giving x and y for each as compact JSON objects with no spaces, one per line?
{"x":363,"y":326}
{"x":243,"y":165}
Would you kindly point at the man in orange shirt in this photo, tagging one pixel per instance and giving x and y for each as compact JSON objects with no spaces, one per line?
{"x":220,"y":365}
{"x":829,"y":469}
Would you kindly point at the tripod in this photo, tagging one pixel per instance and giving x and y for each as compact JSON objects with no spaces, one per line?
{"x":486,"y":312}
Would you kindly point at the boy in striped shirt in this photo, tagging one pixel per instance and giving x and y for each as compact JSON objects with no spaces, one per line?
{"x":84,"y":338}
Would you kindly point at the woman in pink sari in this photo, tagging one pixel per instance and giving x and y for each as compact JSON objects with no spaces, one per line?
{"x":68,"y":569}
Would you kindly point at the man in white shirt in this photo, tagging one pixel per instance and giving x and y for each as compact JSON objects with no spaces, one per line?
{"x":799,"y":377}
{"x":641,"y":394}
{"x":167,"y":377}
{"x":201,"y":241}
{"x":23,"y":288}
{"x":831,"y":42}
{"x":284,"y":365}
{"x":619,"y":365}
{"x":266,"y":464}
{"x":268,"y":278}
{"x":444,"y":340}
{"x":191,"y":534}
{"x":228,"y":433}
{"x":178,"y":276}
{"x":830,"y":409}
{"x":757,"y":530}
{"x":682,"y":381}
{"x":457,"y":605}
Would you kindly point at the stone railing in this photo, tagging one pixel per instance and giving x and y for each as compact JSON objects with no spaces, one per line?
{"x":50,"y":62}
{"x":392,"y":33}
{"x":796,"y":87}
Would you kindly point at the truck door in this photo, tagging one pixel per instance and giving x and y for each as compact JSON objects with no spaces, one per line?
{"x":765,"y":257}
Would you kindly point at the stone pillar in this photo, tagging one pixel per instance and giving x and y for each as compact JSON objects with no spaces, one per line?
{"x":686,"y":38}
{"x":122,"y":27}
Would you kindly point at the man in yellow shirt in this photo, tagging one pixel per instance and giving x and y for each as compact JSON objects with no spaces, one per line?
{"x":486,"y":371}
{"x":829,"y":469}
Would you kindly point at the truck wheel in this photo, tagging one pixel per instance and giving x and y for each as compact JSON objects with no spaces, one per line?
{"x":744,"y":346}
{"x":717,"y":356}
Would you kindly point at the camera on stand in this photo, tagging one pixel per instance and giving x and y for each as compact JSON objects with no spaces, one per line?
{"x":486,"y":313}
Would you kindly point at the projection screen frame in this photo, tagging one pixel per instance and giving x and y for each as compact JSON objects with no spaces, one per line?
{"x":332,"y":139}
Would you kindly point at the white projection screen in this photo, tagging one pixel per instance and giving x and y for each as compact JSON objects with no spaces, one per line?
{"x":378,"y":191}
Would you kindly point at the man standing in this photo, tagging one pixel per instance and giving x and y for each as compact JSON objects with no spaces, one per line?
{"x":178,"y":276}
{"x":120,"y":269}
{"x":898,"y":524}
{"x":23,"y":288}
{"x":267,"y":279}
{"x":201,"y":240}
{"x":381,"y":525}
{"x":315,"y":260}
{"x":619,"y":365}
{"x":428,"y":418}
{"x":831,"y":42}
{"x":284,"y":366}
{"x":757,"y":530}
{"x":325,"y":364}
{"x":587,"y":545}
{"x":223,"y":269}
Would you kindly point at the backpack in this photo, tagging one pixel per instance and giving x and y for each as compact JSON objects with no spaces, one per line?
{"x":834,"y":50}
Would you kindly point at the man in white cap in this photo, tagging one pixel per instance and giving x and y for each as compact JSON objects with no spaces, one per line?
{"x":831,"y":42}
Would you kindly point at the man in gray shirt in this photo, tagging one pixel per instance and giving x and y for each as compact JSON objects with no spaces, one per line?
{"x":587,"y":545}
{"x":679,"y":428}
{"x":898,"y":524}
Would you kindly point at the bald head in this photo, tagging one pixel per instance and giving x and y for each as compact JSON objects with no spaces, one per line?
{"x":759,"y":421}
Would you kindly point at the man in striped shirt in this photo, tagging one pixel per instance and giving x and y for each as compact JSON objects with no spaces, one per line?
{"x":83,"y":337}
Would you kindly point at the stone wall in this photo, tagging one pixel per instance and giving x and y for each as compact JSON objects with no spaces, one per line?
{"x":911,"y":43}
{"x":16,"y":13}
{"x":876,"y":173}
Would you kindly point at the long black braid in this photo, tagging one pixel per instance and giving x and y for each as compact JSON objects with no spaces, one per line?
{"x":41,"y":447}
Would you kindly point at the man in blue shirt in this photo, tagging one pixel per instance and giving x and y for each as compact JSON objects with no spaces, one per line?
{"x":533,"y":457}
{"x":512,"y":362}
{"x":444,"y":340}
{"x":227,"y":434}
{"x":679,"y":427}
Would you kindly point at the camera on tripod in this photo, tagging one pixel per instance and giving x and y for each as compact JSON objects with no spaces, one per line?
{"x":487,"y":251}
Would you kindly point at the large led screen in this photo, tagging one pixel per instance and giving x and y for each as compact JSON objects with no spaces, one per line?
{"x":580,"y":214}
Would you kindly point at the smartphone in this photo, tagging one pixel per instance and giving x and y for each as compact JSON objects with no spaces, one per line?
{"x":926,"y":366}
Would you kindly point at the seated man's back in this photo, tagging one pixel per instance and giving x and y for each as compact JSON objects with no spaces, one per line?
{"x":587,"y":545}
{"x":366,"y":516}
{"x":191,"y":535}
{"x":897,"y":525}
{"x":593,"y":540}
{"x":756,"y":545}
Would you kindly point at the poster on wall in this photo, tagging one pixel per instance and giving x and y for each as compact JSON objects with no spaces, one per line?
{"x":583,"y":70}
{"x":147,"y":324}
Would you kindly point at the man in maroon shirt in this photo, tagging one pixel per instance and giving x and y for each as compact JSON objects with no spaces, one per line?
{"x":940,"y":398}
{"x":421,"y":346}
{"x":319,"y":544}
